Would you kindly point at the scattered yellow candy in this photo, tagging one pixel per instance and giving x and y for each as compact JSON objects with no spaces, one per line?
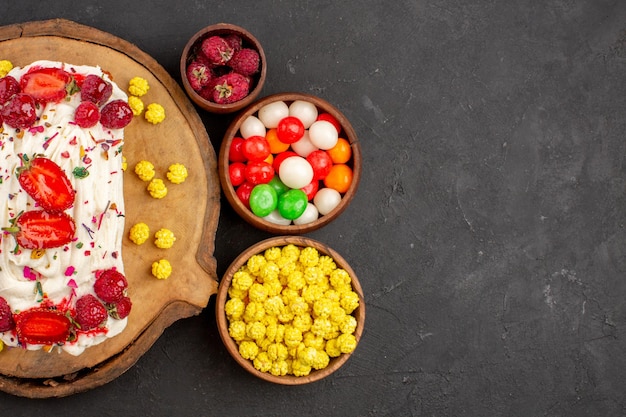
{"x":139,"y":233}
{"x":138,"y":86}
{"x":289,"y":310}
{"x":161,"y":269}
{"x":177,"y":173}
{"x":124,"y":163}
{"x":136,"y":105}
{"x":145,"y":170}
{"x":155,"y":113}
{"x":157,"y":188}
{"x":164,"y":238}
{"x":5,"y":67}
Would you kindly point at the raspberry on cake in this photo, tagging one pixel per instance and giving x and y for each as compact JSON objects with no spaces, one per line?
{"x":63,"y":124}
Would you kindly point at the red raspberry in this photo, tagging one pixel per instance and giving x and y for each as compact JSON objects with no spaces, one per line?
{"x":90,"y":313}
{"x":217,"y":50}
{"x":110,"y":286}
{"x":199,"y":75}
{"x":116,"y":115}
{"x":20,"y":111}
{"x":95,"y":89}
{"x":234,"y":41}
{"x":9,"y":87}
{"x":6,"y":316}
{"x":230,"y":88}
{"x":122,"y":308}
{"x":87,"y":114}
{"x":245,"y":62}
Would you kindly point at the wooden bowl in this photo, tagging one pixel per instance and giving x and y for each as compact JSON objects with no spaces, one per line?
{"x":222,"y":297}
{"x":249,"y":41}
{"x":355,"y":163}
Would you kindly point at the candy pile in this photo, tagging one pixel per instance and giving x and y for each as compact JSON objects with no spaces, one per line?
{"x":290,"y":163}
{"x":291,"y":309}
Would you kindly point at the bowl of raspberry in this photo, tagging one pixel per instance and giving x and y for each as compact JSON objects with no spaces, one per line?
{"x":290,"y":163}
{"x":290,"y":310}
{"x":223,"y":68}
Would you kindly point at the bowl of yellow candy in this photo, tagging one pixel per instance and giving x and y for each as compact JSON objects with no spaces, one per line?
{"x":290,"y":310}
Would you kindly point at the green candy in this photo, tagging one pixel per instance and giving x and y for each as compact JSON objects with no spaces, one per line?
{"x":278,"y":185}
{"x":292,"y":203}
{"x":263,"y":200}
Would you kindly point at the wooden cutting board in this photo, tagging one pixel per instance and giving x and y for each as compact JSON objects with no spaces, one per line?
{"x":190,"y":210}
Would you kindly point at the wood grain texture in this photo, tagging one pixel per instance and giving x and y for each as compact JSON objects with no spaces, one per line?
{"x":190,"y":210}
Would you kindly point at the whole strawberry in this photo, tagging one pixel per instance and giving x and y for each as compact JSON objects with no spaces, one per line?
{"x":217,"y":50}
{"x":110,"y":286}
{"x":245,"y":62}
{"x":199,"y":75}
{"x":230,"y":88}
{"x":90,"y":313}
{"x":6,"y":316}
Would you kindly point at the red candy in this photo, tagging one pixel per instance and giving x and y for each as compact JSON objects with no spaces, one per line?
{"x":236,"y":172}
{"x":258,"y":172}
{"x":235,"y":154}
{"x":243,"y":192}
{"x":255,"y":148}
{"x":321,"y":163}
{"x":290,"y":129}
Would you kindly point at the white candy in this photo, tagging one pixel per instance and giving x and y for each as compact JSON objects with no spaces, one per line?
{"x":252,"y":126}
{"x":309,"y":216}
{"x":272,"y":113}
{"x":323,"y":134}
{"x":276,"y":218}
{"x":305,"y":111}
{"x":326,"y":200}
{"x":303,"y":146}
{"x":296,"y":172}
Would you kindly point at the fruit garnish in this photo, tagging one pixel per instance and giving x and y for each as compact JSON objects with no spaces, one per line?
{"x":87,"y":114}
{"x":95,"y":89}
{"x":8,"y":88}
{"x":121,"y":309}
{"x":46,"y":183}
{"x":19,"y":112}
{"x":6,"y":316}
{"x":216,"y":50}
{"x":116,"y":115}
{"x":38,"y":229}
{"x":110,"y":286}
{"x":41,"y":326}
{"x":46,"y":84}
{"x":230,"y":88}
{"x":90,"y":313}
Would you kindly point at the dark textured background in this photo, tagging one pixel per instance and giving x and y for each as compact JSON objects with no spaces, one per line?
{"x":488,"y":230}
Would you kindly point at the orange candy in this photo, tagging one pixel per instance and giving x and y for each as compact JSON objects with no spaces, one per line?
{"x":339,"y":178}
{"x":276,"y":146}
{"x":341,"y":152}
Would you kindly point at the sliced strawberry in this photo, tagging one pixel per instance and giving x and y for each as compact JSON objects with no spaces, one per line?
{"x":41,"y":326}
{"x":46,"y":183}
{"x":46,"y":84}
{"x":38,"y":229}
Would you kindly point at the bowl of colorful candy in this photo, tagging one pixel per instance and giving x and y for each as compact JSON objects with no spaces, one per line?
{"x":290,"y":310}
{"x":223,"y":68}
{"x":290,"y":163}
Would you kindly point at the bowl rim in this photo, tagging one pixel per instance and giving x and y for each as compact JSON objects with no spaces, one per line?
{"x":222,"y":297}
{"x":229,"y":190}
{"x":248,"y":37}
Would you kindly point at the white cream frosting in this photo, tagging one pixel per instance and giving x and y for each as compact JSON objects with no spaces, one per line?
{"x":65,"y":273}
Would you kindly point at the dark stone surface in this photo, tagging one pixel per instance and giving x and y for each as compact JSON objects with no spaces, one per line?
{"x":488,"y":231}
